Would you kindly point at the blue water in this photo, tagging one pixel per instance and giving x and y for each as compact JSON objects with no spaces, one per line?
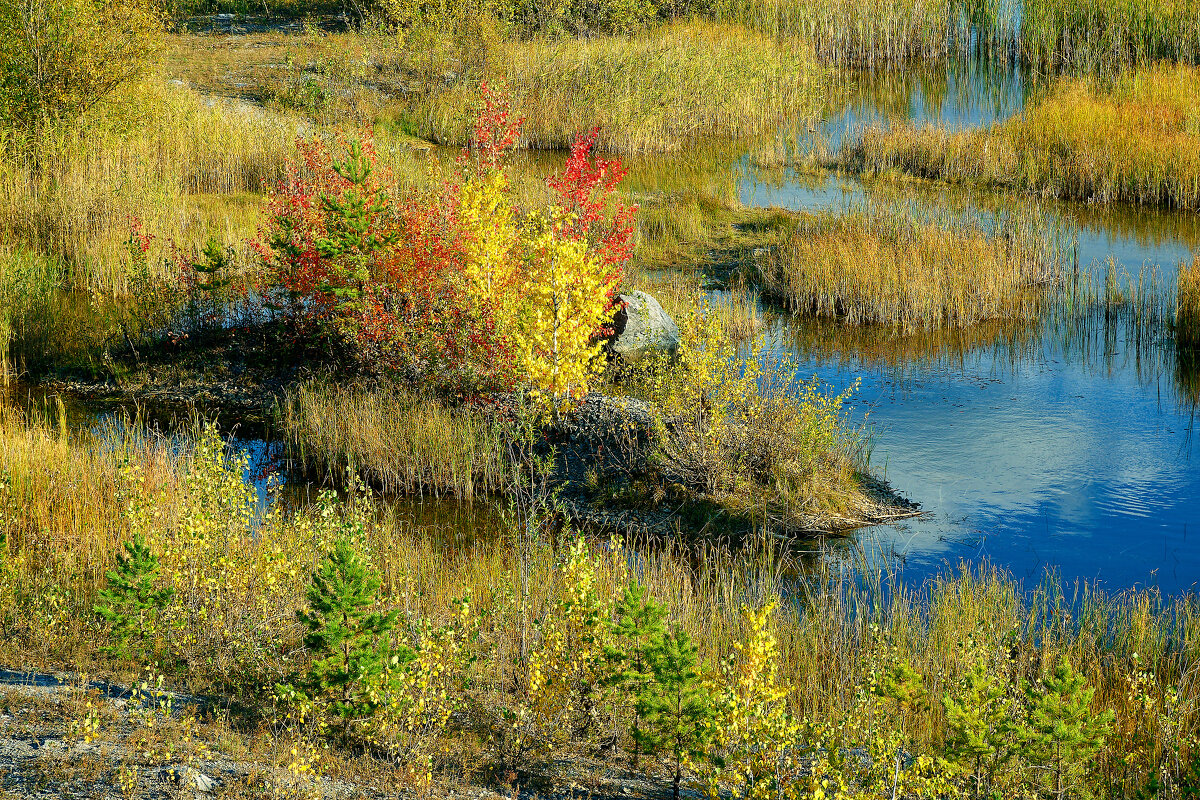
{"x":1082,"y":460}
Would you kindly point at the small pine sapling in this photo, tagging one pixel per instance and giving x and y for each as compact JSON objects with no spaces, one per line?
{"x":676,"y":706}
{"x":637,"y":633}
{"x":902,"y":687}
{"x":982,"y":732}
{"x":353,"y":233}
{"x":349,"y":640}
{"x":1062,"y":733}
{"x":131,"y":603}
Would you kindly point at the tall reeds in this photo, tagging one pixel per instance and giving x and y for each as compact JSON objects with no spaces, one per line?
{"x":188,"y":166}
{"x":29,"y":285}
{"x":1108,"y":35}
{"x":394,"y":438}
{"x":60,"y":491}
{"x":876,"y":32}
{"x":882,"y":265}
{"x":1135,"y":139}
{"x":650,"y":93}
{"x":1187,"y":305}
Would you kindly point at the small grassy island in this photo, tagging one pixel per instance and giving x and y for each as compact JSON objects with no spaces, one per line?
{"x":272,"y":276}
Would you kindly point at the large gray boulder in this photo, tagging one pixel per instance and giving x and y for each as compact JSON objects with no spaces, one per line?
{"x":641,"y":328}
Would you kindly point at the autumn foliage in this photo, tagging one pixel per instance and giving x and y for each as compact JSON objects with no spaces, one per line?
{"x":454,"y":288}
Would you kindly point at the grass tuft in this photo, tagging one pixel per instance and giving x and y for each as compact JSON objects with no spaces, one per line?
{"x":1187,"y":305}
{"x":395,"y":439}
{"x":1135,"y":139}
{"x":881,"y":265}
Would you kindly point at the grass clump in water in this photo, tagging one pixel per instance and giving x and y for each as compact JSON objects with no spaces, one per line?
{"x":1134,"y":139}
{"x":395,"y":438}
{"x":885,"y":266}
{"x":1187,"y":305}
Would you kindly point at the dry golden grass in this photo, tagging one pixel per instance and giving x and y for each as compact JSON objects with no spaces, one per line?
{"x":652,"y":93}
{"x":188,"y":167}
{"x":59,"y":495}
{"x":1187,"y":305}
{"x":1136,"y":140}
{"x":885,"y":266}
{"x":395,"y":439}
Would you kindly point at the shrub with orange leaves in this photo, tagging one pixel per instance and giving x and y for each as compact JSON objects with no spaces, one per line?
{"x":454,"y":288}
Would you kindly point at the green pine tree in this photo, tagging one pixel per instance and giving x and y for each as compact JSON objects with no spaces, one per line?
{"x":131,"y":604}
{"x":982,"y":735}
{"x":1061,"y":730}
{"x":212,"y":272}
{"x":638,"y":631}
{"x":676,"y":706}
{"x":352,"y":231}
{"x":349,"y":640}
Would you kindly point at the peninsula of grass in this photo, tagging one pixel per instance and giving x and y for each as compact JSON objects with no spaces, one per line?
{"x":880,"y":265}
{"x":1132,"y":139}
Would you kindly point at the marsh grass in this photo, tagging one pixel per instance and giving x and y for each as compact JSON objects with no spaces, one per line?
{"x":1108,"y":35}
{"x":188,"y":167}
{"x":651,"y":93}
{"x":395,"y":438}
{"x":1187,"y":305}
{"x":29,"y":284}
{"x":882,"y":265}
{"x":878,"y":32}
{"x":59,"y":491}
{"x":1132,"y":139}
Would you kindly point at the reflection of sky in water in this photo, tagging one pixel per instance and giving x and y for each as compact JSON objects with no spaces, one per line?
{"x":1046,"y":461}
{"x":969,"y":95}
{"x":1087,"y":465}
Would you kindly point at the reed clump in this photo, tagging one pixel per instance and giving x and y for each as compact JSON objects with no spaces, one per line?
{"x":1134,"y":139}
{"x":1107,"y":35}
{"x":871,"y":32}
{"x":29,"y":285}
{"x":395,"y":438}
{"x":650,"y":93}
{"x":1187,"y":305}
{"x":882,"y":265}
